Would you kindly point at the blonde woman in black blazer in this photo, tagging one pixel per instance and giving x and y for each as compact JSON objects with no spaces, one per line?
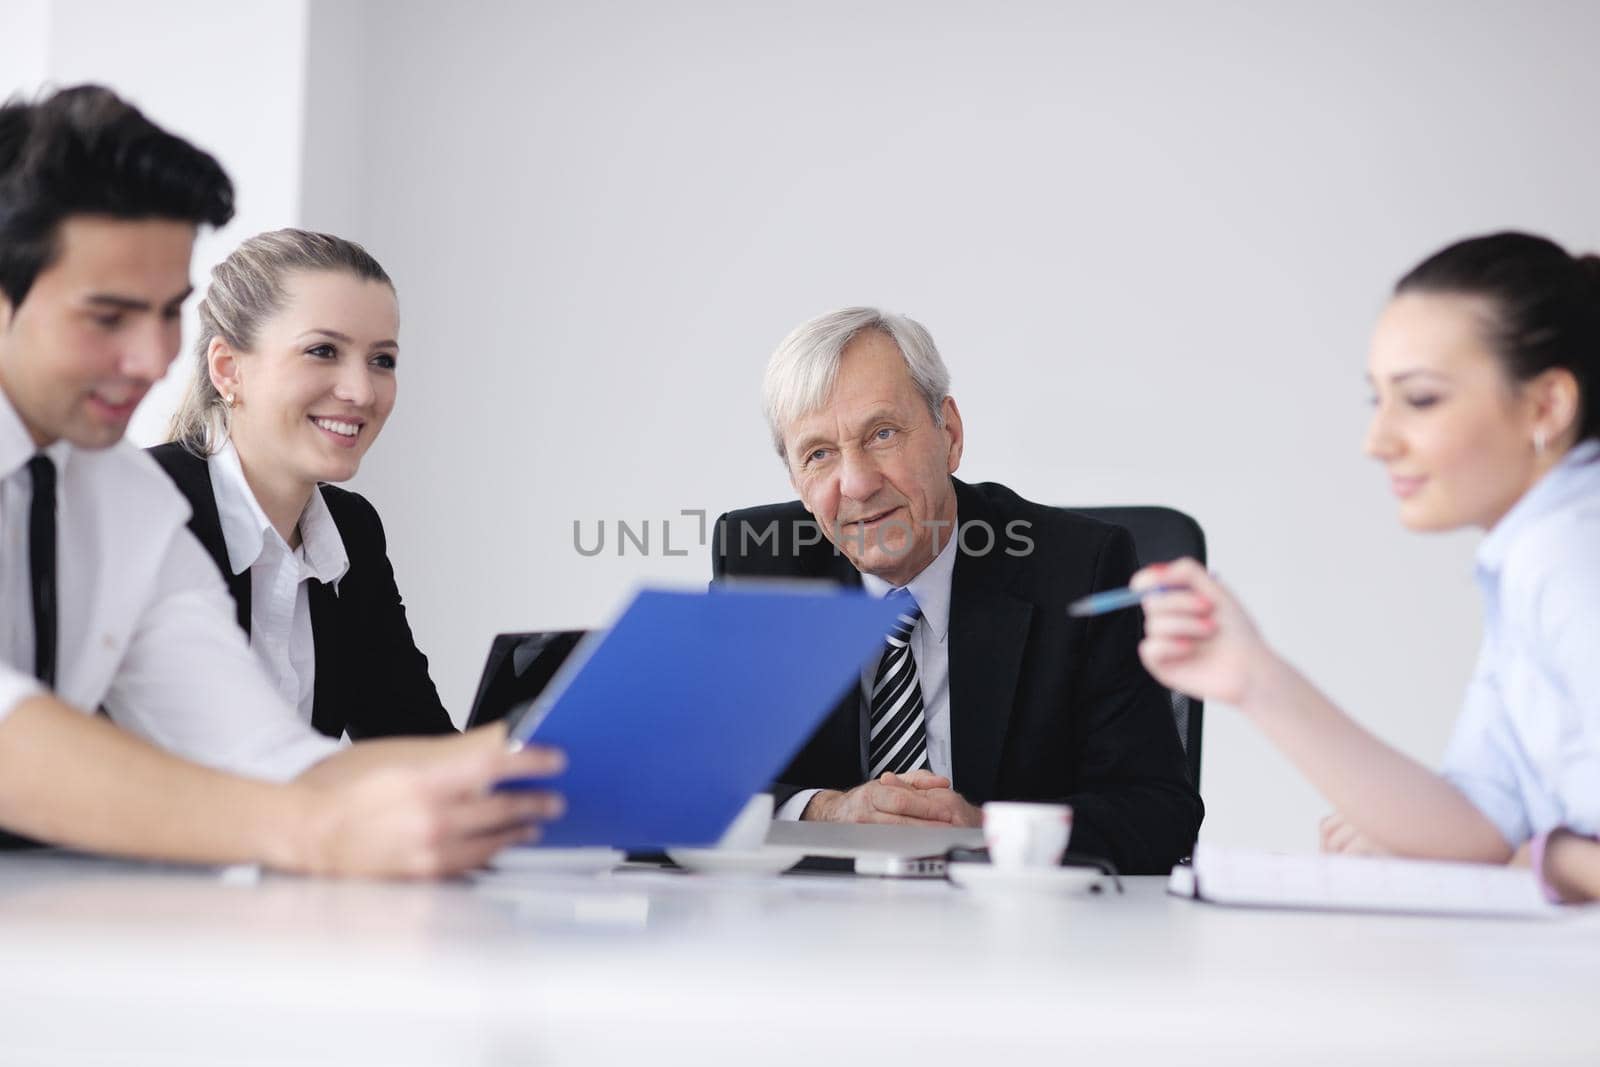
{"x":295,"y":378}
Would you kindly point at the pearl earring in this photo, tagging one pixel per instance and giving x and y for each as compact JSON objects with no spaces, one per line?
{"x":228,"y":400}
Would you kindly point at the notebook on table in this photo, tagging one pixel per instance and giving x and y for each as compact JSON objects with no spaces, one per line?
{"x":1359,"y":883}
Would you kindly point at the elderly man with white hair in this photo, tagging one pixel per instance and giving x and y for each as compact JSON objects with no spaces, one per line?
{"x":987,"y":690}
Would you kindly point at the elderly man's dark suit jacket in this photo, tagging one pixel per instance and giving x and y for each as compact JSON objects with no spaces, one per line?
{"x":371,"y":680}
{"x":1042,"y":706}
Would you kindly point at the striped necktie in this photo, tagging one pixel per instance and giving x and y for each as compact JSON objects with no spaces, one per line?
{"x":899,"y":741}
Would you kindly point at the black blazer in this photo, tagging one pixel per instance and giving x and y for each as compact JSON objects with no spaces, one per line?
{"x":370,"y":679}
{"x":1042,"y":706}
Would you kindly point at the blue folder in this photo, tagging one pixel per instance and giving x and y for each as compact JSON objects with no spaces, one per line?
{"x":691,"y":703}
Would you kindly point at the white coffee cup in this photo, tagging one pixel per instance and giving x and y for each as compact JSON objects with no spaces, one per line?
{"x":1026,"y":835}
{"x":748,"y":830}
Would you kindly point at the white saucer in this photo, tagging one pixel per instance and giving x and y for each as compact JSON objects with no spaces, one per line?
{"x":767,"y":860}
{"x":1048,"y":880}
{"x":565,"y":860}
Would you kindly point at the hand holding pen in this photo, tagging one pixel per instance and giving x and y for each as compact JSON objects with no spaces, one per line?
{"x":1198,"y":639}
{"x":1151,"y":582}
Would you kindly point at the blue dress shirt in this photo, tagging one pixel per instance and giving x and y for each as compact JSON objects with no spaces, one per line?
{"x":1526,"y":749}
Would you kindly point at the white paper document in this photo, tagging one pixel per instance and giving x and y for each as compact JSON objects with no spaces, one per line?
{"x":1359,"y":883}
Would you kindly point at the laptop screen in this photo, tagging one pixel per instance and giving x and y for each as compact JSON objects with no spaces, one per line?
{"x":517,"y":670}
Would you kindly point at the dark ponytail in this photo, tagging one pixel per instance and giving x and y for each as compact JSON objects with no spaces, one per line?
{"x":1545,"y":307}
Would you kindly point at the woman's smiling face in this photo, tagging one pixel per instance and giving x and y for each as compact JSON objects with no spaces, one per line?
{"x":1455,"y":433}
{"x":319,"y":383}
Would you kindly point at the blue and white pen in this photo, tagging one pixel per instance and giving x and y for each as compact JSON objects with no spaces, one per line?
{"x":1115,"y":600}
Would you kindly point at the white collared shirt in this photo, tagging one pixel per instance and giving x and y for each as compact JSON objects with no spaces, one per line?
{"x":145,"y":626}
{"x":280,"y":604}
{"x":930,"y":648}
{"x":1526,"y":749}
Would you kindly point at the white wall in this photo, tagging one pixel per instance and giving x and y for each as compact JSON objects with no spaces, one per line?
{"x":24,"y":46}
{"x":1150,"y":239}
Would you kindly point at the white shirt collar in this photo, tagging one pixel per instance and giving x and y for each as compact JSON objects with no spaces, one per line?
{"x":16,"y":443}
{"x":246,"y":528}
{"x":1578,"y":473}
{"x":930,"y":589}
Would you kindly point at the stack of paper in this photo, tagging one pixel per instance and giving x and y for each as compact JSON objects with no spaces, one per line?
{"x":1358,"y":883}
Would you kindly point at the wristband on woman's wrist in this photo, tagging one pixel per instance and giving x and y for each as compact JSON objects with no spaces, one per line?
{"x":1536,"y":859}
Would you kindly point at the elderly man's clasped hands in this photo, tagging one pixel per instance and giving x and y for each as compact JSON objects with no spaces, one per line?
{"x":917,"y":798}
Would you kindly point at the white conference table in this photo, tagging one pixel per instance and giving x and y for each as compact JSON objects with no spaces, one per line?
{"x":109,"y":962}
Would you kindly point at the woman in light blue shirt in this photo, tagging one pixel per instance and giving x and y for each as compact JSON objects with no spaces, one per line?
{"x":1486,"y":373}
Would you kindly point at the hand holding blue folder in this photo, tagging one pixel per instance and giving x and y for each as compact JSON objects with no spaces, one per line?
{"x":692,"y":702}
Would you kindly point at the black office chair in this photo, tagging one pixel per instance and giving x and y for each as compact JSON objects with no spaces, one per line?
{"x":1161,"y":534}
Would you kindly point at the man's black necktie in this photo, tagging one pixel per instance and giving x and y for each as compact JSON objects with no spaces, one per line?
{"x":42,"y":578}
{"x":42,"y":567}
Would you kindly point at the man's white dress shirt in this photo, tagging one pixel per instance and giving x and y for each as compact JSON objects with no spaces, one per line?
{"x":930,"y":648}
{"x":280,"y":605}
{"x":146,"y":626}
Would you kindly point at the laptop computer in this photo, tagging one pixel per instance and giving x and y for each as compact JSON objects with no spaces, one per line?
{"x":891,"y":851}
{"x":518,"y":668}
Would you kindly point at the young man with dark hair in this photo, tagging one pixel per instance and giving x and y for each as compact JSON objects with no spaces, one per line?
{"x":105,"y":597}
